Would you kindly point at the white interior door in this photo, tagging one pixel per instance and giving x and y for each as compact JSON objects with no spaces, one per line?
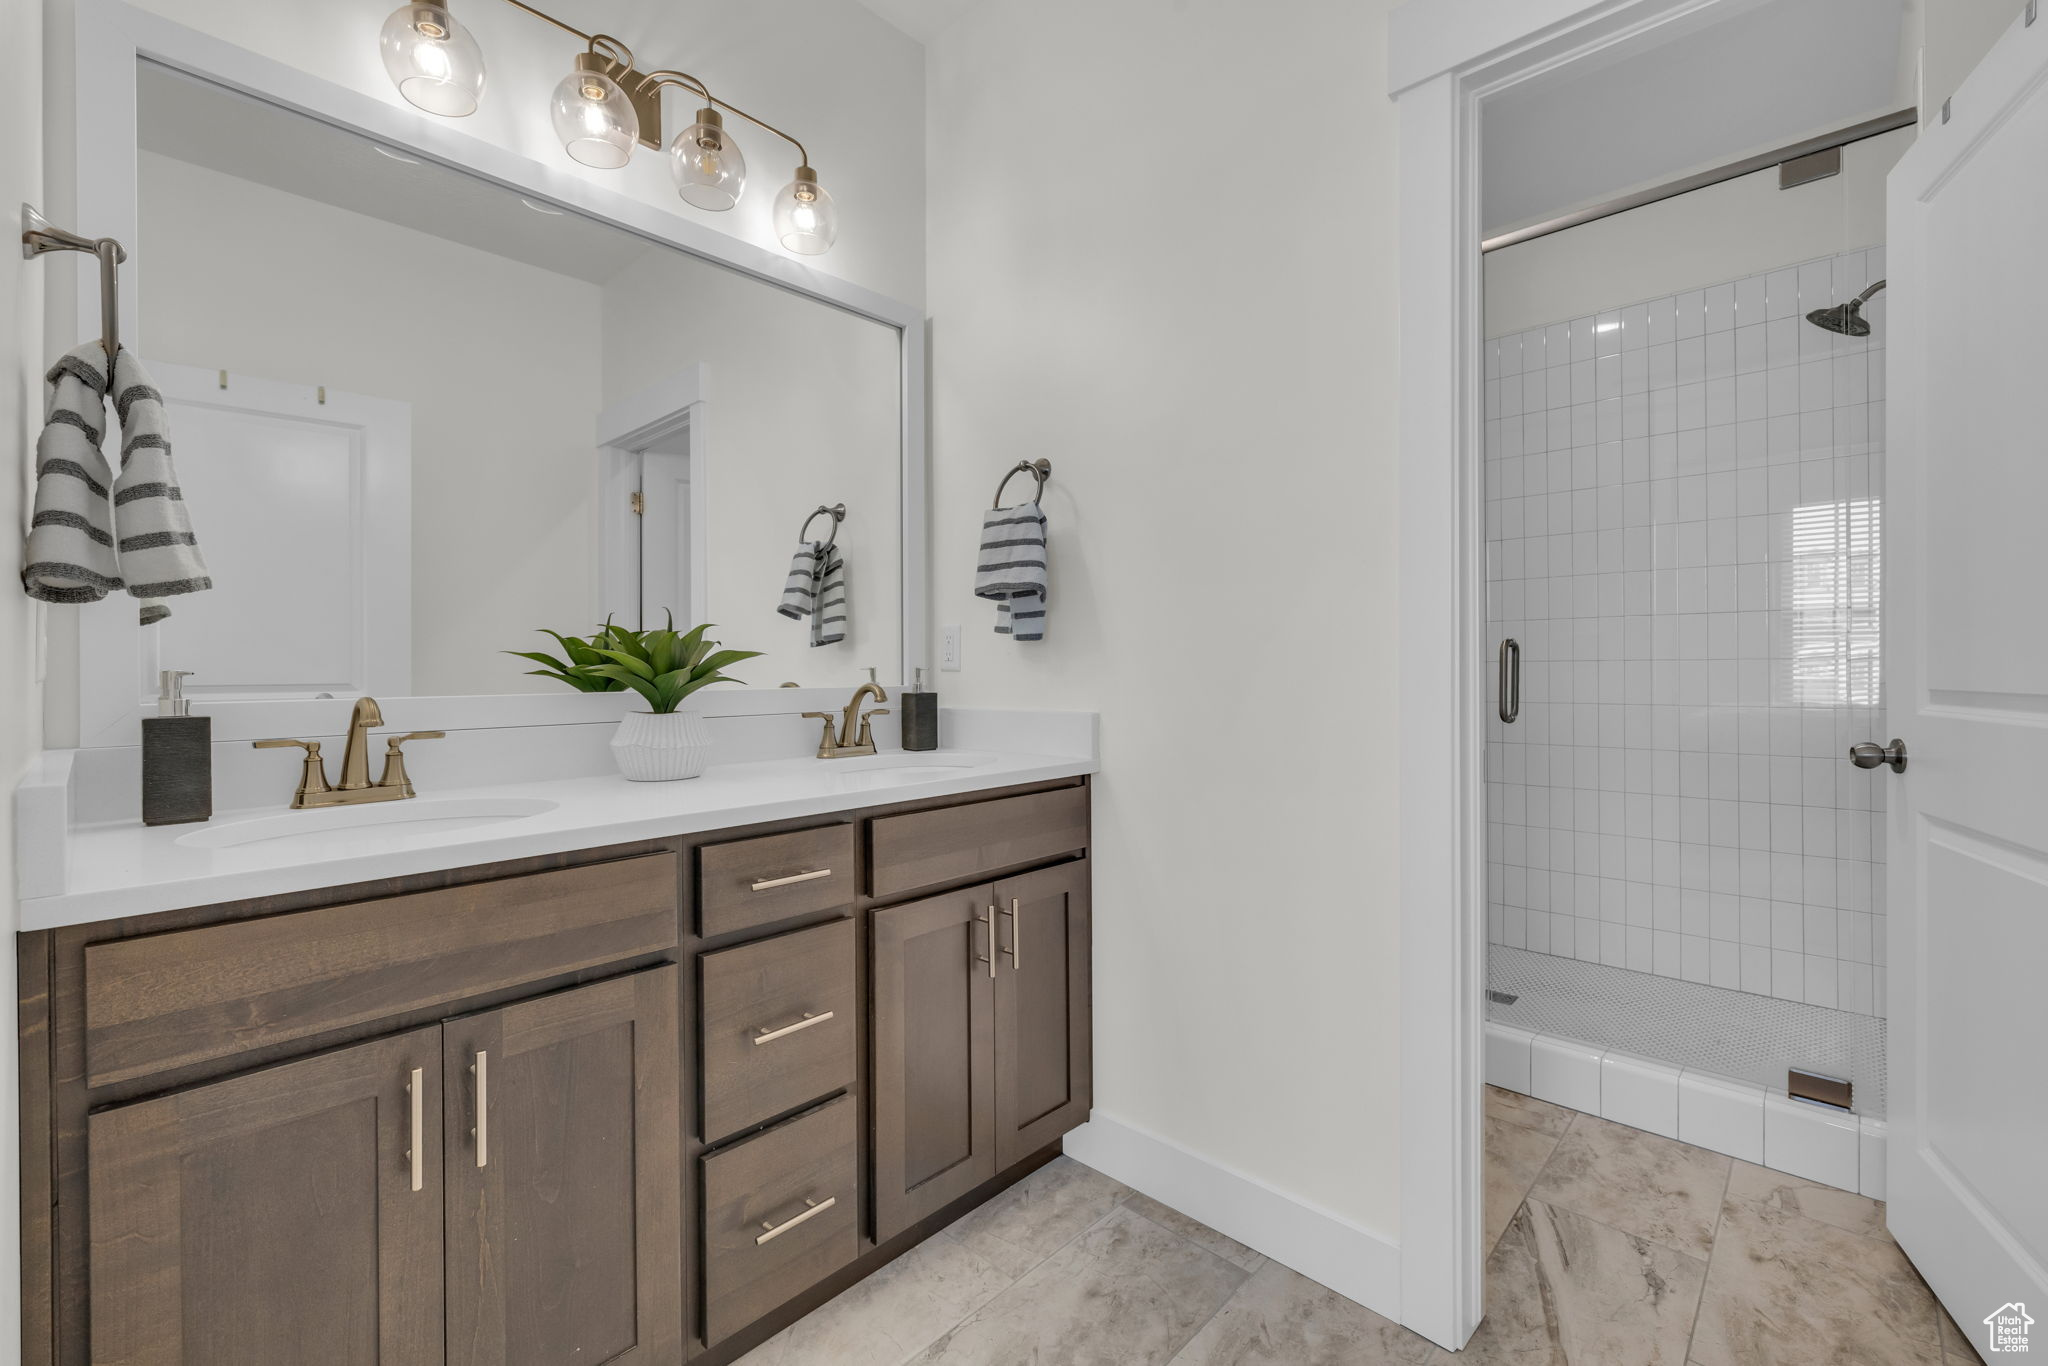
{"x":665,"y":545}
{"x":1967,"y":675}
{"x":301,"y":499}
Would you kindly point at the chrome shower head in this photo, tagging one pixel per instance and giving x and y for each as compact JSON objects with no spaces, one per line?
{"x":1847,"y":318}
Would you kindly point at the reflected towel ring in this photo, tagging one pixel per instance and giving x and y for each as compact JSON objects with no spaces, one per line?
{"x":837,"y":512}
{"x":1041,"y":470}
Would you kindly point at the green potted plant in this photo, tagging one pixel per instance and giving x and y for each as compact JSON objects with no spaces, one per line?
{"x":664,"y":666}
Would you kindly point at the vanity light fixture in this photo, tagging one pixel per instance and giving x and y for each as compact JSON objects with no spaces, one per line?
{"x":433,"y":60}
{"x":605,"y":105}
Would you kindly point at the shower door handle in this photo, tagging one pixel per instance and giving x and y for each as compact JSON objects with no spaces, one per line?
{"x":1510,"y":680}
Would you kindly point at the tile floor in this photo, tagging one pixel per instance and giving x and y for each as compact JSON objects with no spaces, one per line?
{"x":1611,"y":1247}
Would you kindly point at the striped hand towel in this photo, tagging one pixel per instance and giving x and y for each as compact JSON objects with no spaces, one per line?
{"x":93,"y":533}
{"x":816,"y":588}
{"x":1012,"y":569}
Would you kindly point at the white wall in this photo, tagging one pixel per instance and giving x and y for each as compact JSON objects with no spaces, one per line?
{"x":493,"y":356}
{"x":1726,"y":231}
{"x":1956,"y":34}
{"x":832,"y":73}
{"x":1208,"y":361}
{"x":21,"y":403}
{"x":805,"y":408}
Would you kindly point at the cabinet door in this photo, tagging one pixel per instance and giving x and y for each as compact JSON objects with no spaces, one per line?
{"x":934,"y":1068}
{"x":563,"y":1135}
{"x":1045,"y":1073}
{"x":290,"y":1217}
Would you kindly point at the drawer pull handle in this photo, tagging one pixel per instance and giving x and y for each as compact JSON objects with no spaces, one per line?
{"x":811,"y":1209}
{"x":768,"y":884}
{"x":481,"y":1070}
{"x":417,"y":1153}
{"x":768,"y":1035}
{"x":1016,"y":935}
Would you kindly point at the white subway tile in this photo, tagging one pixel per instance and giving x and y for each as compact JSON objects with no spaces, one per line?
{"x":1721,"y":1114}
{"x":1814,"y":1141}
{"x":1566,"y":1072}
{"x":1640,"y":1093}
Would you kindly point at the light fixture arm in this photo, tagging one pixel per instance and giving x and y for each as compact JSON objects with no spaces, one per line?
{"x":654,"y":80}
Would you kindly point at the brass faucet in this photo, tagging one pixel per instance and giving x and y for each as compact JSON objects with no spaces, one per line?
{"x":355,"y":785}
{"x":845,"y":743}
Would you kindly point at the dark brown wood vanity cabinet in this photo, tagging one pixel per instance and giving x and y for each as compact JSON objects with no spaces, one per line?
{"x":642,"y":1105}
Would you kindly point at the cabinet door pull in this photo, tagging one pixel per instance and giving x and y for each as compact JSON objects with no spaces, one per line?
{"x":481,"y":1070}
{"x":766,"y":884}
{"x":988,"y":921}
{"x":417,"y":1153}
{"x":768,"y":1035}
{"x":811,"y":1209}
{"x":1016,"y":934}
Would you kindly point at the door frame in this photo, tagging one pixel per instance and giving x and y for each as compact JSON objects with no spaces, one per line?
{"x":382,"y":631}
{"x":1443,"y":58}
{"x":625,"y":429}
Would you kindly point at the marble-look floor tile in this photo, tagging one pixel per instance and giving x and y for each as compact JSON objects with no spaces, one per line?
{"x":1640,"y":1183}
{"x":1563,"y":1290}
{"x":1126,"y":1293}
{"x":1782,"y":1191}
{"x":1958,"y":1348}
{"x":1788,"y":1290}
{"x":1038,"y":1216}
{"x":894,"y":1313}
{"x":1196,"y":1232}
{"x":1280,"y":1318}
{"x":1514,"y":1157}
{"x":1527,"y":1111}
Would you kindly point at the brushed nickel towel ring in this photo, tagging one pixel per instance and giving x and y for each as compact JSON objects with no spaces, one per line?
{"x":39,"y":235}
{"x":837,"y":512}
{"x":1041,"y":470}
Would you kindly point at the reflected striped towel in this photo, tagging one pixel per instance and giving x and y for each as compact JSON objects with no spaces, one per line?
{"x":1012,"y":569}
{"x":816,"y":588}
{"x":93,"y":533}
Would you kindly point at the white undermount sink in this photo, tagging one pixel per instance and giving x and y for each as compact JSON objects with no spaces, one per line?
{"x":336,"y":827}
{"x":900,"y":770}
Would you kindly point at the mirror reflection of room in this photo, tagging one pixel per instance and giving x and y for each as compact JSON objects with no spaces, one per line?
{"x":455,"y":415}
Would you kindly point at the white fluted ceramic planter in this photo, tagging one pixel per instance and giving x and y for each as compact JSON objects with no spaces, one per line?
{"x":651,"y":748}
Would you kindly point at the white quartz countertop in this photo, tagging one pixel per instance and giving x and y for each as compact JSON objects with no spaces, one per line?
{"x":128,"y":868}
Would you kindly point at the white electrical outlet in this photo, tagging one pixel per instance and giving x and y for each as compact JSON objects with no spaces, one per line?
{"x":949,"y":649}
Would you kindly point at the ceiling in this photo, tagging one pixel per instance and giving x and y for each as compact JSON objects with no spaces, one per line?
{"x":1687,"y":97}
{"x":923,"y":20}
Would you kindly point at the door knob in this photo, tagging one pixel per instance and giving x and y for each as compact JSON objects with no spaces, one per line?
{"x":1870,"y":754}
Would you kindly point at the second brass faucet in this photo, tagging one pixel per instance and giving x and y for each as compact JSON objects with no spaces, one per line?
{"x":355,"y":785}
{"x":845,"y":742}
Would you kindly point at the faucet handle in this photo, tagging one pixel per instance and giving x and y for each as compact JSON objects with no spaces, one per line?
{"x":314,"y":778}
{"x":394,"y":758}
{"x":830,"y":743}
{"x":865,"y":737}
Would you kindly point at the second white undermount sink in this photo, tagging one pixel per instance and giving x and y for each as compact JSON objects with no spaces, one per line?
{"x":901,"y":770}
{"x":336,"y":827}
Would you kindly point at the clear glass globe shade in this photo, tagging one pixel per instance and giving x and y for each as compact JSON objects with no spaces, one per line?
{"x":434,"y":61}
{"x":708,"y":168}
{"x":595,"y":120}
{"x":806,"y":221}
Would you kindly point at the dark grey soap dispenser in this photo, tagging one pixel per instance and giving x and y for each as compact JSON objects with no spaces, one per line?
{"x":920,"y":716}
{"x":177,"y":757}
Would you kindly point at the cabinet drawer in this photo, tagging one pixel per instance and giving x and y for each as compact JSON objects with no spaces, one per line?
{"x":190,"y":996}
{"x":773,"y":877}
{"x":955,"y":843}
{"x":778,"y":1025}
{"x":779,"y":1216}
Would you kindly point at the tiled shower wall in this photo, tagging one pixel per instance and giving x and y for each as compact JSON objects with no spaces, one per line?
{"x":1683,"y":528}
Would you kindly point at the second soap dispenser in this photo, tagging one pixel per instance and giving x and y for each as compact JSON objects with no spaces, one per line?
{"x":177,"y":757}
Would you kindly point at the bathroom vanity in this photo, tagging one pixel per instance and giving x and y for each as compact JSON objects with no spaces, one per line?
{"x":644,"y":1102}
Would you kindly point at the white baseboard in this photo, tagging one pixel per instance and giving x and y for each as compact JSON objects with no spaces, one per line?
{"x":1328,"y":1249}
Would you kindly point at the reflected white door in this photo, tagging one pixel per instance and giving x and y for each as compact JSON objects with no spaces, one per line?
{"x":1967,"y":675}
{"x":665,"y":578}
{"x":303,"y":509}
